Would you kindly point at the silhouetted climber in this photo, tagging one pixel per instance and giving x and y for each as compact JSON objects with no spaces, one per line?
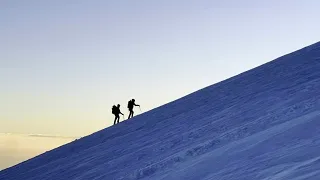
{"x":116,"y":111}
{"x":130,"y":107}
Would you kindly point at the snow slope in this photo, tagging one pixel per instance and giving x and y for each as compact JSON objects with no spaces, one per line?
{"x":260,"y":125}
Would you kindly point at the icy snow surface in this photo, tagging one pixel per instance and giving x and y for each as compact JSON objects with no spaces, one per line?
{"x":263,"y":124}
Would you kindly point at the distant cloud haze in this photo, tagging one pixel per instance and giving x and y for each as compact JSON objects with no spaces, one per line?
{"x":15,"y":147}
{"x":50,"y":136}
{"x":39,"y":135}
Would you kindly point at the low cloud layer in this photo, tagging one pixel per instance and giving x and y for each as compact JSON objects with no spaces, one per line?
{"x":15,"y":148}
{"x":39,"y":135}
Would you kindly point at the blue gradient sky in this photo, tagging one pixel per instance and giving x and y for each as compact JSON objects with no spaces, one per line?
{"x":65,"y":63}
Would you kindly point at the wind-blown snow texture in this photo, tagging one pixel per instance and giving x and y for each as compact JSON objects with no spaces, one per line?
{"x":260,"y":125}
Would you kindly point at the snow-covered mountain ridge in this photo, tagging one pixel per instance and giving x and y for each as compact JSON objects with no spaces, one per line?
{"x":262,"y":124}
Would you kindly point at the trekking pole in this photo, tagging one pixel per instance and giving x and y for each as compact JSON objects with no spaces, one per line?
{"x":140,"y":109}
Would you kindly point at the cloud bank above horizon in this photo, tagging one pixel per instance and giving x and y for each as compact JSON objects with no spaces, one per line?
{"x":15,"y":148}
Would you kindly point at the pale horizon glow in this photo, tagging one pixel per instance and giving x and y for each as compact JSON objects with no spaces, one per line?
{"x":15,"y":148}
{"x":64,"y":64}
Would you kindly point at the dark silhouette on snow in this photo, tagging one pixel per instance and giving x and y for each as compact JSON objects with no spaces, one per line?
{"x":116,"y":111}
{"x":131,"y":103}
